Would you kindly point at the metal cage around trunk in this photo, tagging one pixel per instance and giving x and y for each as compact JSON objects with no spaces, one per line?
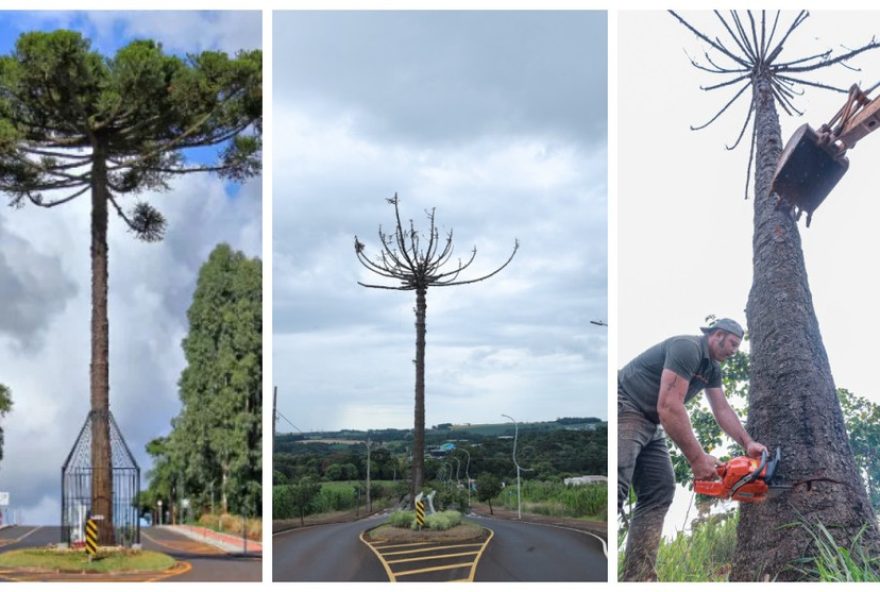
{"x":76,"y":488}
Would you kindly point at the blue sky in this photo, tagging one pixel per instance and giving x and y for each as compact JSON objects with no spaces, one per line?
{"x":45,"y":280}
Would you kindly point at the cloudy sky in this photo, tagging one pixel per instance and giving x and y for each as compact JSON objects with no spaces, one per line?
{"x":497,"y":119}
{"x":685,"y":231}
{"x":45,"y":281}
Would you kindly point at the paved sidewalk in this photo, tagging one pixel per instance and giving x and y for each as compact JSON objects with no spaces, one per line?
{"x":227,"y":542}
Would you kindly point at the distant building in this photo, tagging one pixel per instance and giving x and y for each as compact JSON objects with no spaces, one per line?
{"x":586,"y":480}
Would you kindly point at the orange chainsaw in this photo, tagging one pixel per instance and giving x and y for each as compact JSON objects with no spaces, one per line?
{"x":743,"y":479}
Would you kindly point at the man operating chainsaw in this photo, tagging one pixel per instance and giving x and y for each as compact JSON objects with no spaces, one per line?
{"x":651,"y":394}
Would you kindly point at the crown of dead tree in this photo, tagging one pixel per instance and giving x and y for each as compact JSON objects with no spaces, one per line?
{"x":755,"y":55}
{"x":417,"y":261}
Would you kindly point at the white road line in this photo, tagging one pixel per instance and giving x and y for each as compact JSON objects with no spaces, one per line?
{"x":598,"y":538}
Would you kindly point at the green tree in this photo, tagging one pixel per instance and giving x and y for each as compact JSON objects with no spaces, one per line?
{"x":862,"y":419}
{"x":488,"y":488}
{"x":5,"y":407}
{"x":74,"y":122}
{"x":218,"y":434}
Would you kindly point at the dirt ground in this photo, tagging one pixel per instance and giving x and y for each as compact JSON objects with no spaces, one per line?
{"x":460,"y":533}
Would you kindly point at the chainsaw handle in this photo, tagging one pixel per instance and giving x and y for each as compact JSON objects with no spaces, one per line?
{"x":761,"y":465}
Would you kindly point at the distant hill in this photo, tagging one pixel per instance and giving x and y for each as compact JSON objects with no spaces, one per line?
{"x":444,"y":431}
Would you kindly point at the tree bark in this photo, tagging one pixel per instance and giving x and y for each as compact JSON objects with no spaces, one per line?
{"x":418,"y":468}
{"x":102,"y":469}
{"x":792,"y":398}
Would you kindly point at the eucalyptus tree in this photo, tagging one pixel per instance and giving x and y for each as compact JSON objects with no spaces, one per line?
{"x":5,"y":407}
{"x":792,"y":398}
{"x":74,"y":122}
{"x":418,"y":262}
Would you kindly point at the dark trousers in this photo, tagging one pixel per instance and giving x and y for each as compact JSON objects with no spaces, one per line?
{"x":643,"y":462}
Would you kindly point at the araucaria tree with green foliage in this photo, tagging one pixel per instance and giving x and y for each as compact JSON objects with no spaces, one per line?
{"x":417,"y":262}
{"x":792,"y":398}
{"x":74,"y":122}
{"x":214,"y":449}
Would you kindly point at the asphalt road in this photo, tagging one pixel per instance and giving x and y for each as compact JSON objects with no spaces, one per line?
{"x":540,"y":553}
{"x":326,"y":553}
{"x":208,"y":564}
{"x":518,"y":552}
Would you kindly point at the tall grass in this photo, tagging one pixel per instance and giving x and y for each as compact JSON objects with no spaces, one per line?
{"x":553,"y":498}
{"x":834,"y":563}
{"x":706,"y":555}
{"x":703,"y":556}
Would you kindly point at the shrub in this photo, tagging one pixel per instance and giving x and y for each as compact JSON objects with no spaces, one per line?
{"x":401,"y":519}
{"x":443,"y":520}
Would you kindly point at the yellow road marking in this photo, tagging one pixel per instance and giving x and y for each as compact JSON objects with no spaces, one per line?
{"x":430,"y":557}
{"x":431,"y":549}
{"x":384,"y":563}
{"x":180,"y":568}
{"x":430,"y":569}
{"x":408,"y":544}
{"x":422,"y":547}
{"x":480,"y":555}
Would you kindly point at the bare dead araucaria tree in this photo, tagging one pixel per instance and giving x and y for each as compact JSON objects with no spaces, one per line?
{"x":792,"y":397}
{"x":418,"y":262}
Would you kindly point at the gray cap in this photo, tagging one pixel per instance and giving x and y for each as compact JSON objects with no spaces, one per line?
{"x":728,"y":325}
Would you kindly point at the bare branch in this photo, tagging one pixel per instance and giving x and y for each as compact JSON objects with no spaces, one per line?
{"x":815,"y":84}
{"x":717,"y":46}
{"x":723,"y":109}
{"x":745,"y":125}
{"x":728,"y":83}
{"x":873,"y":44}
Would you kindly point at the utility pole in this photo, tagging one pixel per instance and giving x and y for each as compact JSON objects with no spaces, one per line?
{"x":369,"y":501}
{"x":518,"y":485}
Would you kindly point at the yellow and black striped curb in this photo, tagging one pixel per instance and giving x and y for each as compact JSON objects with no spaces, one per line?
{"x":91,"y":537}
{"x":447,"y":561}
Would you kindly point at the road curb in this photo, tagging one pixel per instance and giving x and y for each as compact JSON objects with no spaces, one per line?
{"x":295,"y":528}
{"x":224,"y":542}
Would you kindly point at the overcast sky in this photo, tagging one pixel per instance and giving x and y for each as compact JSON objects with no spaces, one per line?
{"x":45,"y":281}
{"x":497,"y":119}
{"x":685,"y":231}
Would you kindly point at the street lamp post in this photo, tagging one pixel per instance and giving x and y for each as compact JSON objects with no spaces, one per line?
{"x":518,"y":487}
{"x":457,"y":469}
{"x":467,"y":474}
{"x":159,"y":503}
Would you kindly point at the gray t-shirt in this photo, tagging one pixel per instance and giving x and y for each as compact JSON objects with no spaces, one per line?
{"x":687,"y":355}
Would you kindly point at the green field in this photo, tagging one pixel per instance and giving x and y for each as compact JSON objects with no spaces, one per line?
{"x":552,"y":498}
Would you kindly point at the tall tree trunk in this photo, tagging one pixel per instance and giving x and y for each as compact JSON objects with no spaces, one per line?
{"x":418,"y":468}
{"x":792,"y":399}
{"x":102,"y":469}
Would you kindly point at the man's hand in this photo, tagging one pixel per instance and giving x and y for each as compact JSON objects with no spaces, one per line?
{"x":703,"y":467}
{"x":754,"y":449}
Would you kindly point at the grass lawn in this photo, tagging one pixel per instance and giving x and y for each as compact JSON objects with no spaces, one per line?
{"x":465,"y":531}
{"x":69,"y":560}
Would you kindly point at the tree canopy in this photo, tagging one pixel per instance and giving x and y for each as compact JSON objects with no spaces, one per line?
{"x":65,"y":107}
{"x":214,"y":447}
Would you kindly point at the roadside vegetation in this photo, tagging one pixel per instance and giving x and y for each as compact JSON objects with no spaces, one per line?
{"x":552,"y":498}
{"x":113,"y":560}
{"x":325,"y":473}
{"x":706,"y":554}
